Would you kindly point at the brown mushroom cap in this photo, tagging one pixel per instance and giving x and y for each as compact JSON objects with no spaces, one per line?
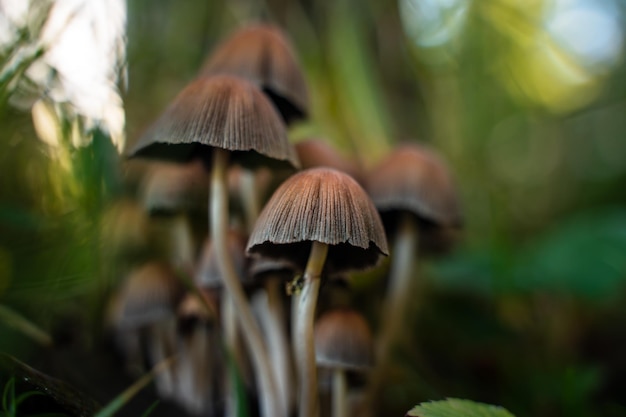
{"x":208,"y":274}
{"x":149,"y":294}
{"x":413,"y":178}
{"x":263,"y":55}
{"x":343,"y":340}
{"x":219,"y":112}
{"x":323,"y":205}
{"x":318,"y":153}
{"x":176,"y":188}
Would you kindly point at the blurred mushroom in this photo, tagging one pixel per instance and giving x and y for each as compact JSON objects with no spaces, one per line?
{"x":411,"y":188}
{"x":322,"y":218}
{"x":217,"y":118}
{"x":173,"y":193}
{"x":200,"y":364}
{"x":144,"y":311}
{"x":343,"y":342}
{"x":263,"y":55}
{"x":318,"y":153}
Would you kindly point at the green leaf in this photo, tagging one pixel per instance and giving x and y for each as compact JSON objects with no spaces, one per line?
{"x":453,"y":407}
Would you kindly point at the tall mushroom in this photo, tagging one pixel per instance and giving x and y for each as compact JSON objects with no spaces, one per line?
{"x":218,"y":119}
{"x":324,"y":219}
{"x":343,"y":342}
{"x":414,"y":193}
{"x":262,"y":54}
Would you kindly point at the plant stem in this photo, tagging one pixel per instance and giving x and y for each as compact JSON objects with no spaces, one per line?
{"x":304,"y":344}
{"x":268,"y":306}
{"x":401,"y":276}
{"x":268,"y":396}
{"x":340,"y":391}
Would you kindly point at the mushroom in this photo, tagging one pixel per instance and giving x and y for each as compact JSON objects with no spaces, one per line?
{"x":414,"y":192}
{"x":343,"y":342}
{"x":262,"y":54}
{"x":173,"y":193}
{"x":199,"y":363}
{"x":144,"y":311}
{"x":318,"y":153}
{"x":322,"y":218}
{"x":216,"y":119}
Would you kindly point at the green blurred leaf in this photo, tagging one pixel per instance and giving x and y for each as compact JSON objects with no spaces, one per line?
{"x":584,"y":256}
{"x":453,"y":407}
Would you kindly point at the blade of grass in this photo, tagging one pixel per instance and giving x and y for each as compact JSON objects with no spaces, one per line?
{"x":118,"y":402}
{"x":20,"y":323}
{"x":151,"y":409}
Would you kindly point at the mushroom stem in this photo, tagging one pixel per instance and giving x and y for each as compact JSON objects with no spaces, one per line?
{"x":304,"y":344}
{"x":340,"y":392}
{"x":401,"y":276}
{"x":233,"y":343}
{"x":268,"y":397}
{"x":273,"y":321}
{"x":249,"y":197}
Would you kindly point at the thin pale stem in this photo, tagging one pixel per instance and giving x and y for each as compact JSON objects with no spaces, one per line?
{"x":340,"y":392}
{"x":401,"y":276}
{"x":304,"y":343}
{"x":249,"y":197}
{"x":270,"y":406}
{"x":270,"y":311}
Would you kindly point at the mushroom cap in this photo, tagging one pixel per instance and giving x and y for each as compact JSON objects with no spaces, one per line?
{"x":219,"y":112}
{"x":413,"y":178}
{"x":262,"y":54}
{"x":149,"y":294}
{"x":343,"y":340}
{"x":192,"y":308}
{"x":175,"y":188}
{"x":323,"y":205}
{"x":208,"y":274}
{"x":318,"y":153}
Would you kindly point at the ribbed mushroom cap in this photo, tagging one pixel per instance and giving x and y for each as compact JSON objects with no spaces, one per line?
{"x":208,"y":274}
{"x":175,"y":188}
{"x":318,"y":153}
{"x":413,"y":178}
{"x":219,"y":112}
{"x":343,"y":340}
{"x":323,"y":205}
{"x":149,"y":294}
{"x":263,"y":55}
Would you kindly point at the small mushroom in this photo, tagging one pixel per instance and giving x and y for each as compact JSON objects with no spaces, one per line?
{"x":318,"y":153}
{"x":173,"y":193}
{"x":414,"y":193}
{"x":323,"y":219}
{"x":144,"y":311}
{"x":343,"y":342}
{"x":199,"y":365}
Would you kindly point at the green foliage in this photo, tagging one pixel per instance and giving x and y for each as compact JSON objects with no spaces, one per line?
{"x":453,"y":407}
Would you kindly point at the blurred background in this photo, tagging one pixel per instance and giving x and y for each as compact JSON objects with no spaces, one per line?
{"x":525,"y":100}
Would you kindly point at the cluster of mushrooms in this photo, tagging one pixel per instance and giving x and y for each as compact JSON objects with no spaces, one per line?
{"x":233,"y":304}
